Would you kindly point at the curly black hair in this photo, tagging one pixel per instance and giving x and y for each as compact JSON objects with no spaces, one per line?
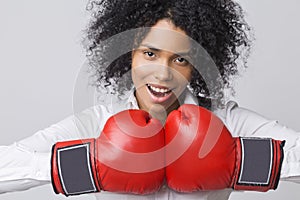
{"x":217,"y":25}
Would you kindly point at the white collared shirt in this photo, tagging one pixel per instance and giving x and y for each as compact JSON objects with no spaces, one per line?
{"x":26,"y":163}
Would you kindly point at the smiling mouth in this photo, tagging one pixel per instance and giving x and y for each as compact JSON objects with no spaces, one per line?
{"x":158,"y":91}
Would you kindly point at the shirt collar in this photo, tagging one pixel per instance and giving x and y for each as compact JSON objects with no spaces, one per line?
{"x":131,"y":101}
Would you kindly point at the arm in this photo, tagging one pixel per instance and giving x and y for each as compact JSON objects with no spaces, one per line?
{"x":127,"y":157}
{"x":243,"y":122}
{"x":26,"y":163}
{"x":203,"y":155}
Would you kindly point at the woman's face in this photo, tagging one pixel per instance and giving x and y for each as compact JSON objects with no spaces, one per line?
{"x":159,"y":73}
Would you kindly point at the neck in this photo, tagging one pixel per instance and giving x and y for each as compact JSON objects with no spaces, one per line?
{"x":157,"y":111}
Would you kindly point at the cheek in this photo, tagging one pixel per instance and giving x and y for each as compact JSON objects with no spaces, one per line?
{"x":140,"y":69}
{"x":138,"y":72}
{"x":184,"y":76}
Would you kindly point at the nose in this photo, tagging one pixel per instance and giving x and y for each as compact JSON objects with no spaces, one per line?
{"x":163,"y":72}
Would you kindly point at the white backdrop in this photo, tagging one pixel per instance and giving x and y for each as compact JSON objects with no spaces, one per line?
{"x":40,"y":55}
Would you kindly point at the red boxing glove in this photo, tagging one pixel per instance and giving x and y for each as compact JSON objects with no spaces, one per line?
{"x":128,"y":157}
{"x":211,"y":159}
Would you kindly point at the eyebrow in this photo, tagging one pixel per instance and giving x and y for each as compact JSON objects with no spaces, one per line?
{"x":152,"y":48}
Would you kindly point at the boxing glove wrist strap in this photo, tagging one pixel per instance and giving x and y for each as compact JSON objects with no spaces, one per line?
{"x":73,"y":168}
{"x":258,"y":164}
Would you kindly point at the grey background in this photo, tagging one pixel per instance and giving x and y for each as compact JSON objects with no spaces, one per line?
{"x":40,"y":56}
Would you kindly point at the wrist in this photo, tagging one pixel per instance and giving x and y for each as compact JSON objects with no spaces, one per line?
{"x":258,"y":164}
{"x":73,"y":167}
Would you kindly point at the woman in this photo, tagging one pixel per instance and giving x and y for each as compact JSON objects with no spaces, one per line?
{"x":174,"y":78}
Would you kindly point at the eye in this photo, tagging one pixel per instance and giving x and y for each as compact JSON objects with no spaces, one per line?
{"x":149,"y":54}
{"x":181,"y":61}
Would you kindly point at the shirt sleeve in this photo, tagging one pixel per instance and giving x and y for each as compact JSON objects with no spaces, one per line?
{"x":245,"y":123}
{"x":26,"y":163}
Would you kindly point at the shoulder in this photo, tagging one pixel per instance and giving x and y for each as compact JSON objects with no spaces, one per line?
{"x":232,"y":110}
{"x":240,"y":120}
{"x":90,"y":121}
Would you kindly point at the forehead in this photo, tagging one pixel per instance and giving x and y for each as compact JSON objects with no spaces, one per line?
{"x":164,"y":35}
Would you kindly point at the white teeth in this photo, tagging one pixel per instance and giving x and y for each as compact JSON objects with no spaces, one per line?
{"x":160,"y":90}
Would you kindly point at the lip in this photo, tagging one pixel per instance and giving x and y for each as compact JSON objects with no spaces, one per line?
{"x":156,"y":99}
